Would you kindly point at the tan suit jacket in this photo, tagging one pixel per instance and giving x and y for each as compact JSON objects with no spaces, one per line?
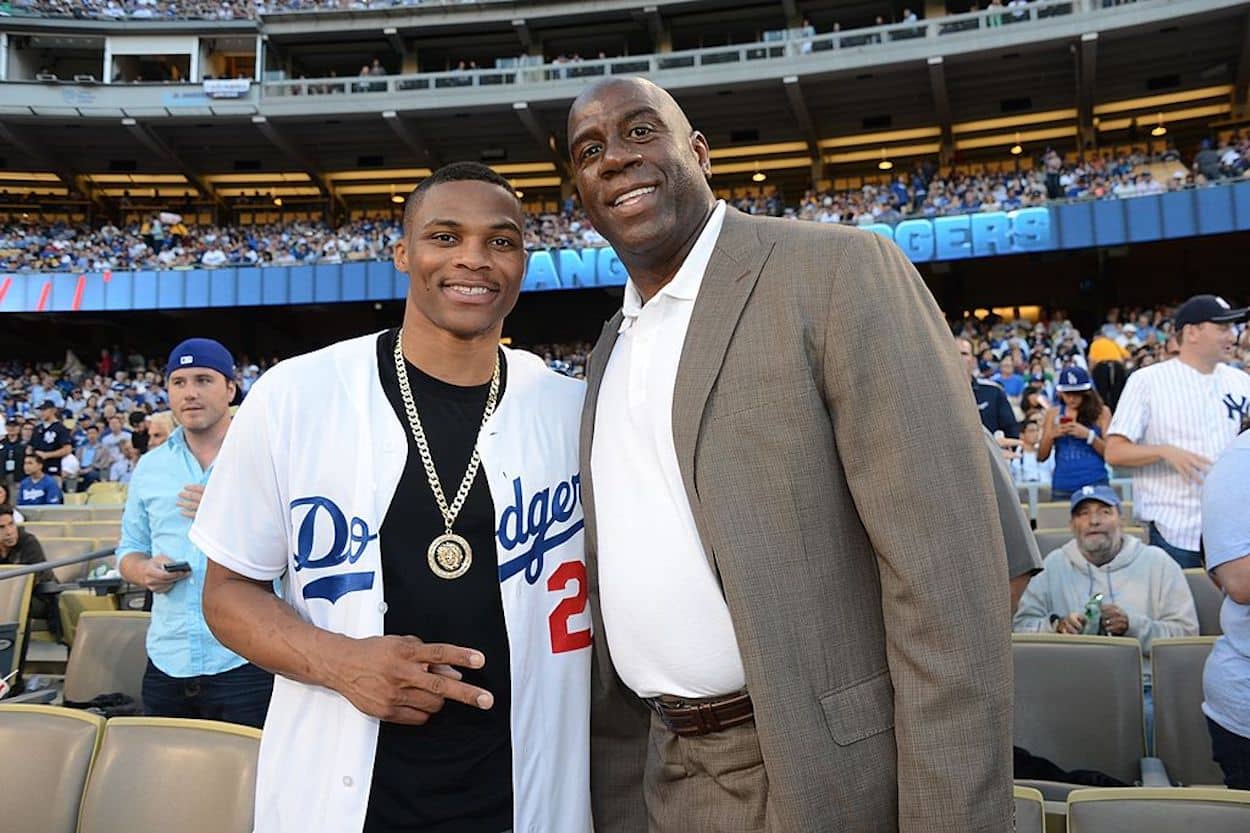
{"x":838,"y":476}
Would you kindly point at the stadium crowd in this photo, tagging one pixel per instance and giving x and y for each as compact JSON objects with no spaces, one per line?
{"x":925,"y":191}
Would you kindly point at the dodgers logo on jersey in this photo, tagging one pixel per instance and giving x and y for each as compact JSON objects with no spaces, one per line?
{"x":532,"y":522}
{"x":348,"y":543}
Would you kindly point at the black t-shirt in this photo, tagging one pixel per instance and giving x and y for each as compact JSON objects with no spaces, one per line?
{"x":12,"y":455}
{"x":51,"y":438}
{"x":455,"y":772}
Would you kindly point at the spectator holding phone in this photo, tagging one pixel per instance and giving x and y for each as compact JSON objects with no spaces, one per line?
{"x":1075,"y":430}
{"x":189,"y":673}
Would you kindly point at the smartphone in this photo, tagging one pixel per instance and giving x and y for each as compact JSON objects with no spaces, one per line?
{"x":1064,"y":420}
{"x":177,"y":567}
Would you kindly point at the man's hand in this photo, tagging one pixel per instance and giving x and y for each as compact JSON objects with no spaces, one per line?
{"x":1190,"y":466}
{"x":1114,"y":620}
{"x":152,"y":575}
{"x":401,"y":679}
{"x":1074,"y":624}
{"x":189,"y":499}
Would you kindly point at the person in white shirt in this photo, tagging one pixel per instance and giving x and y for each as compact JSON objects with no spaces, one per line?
{"x":1175,"y":417}
{"x":1226,"y":678}
{"x":431,"y":645}
{"x":1025,"y":467}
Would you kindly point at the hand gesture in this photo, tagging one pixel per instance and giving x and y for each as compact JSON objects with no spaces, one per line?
{"x":1114,"y":620}
{"x":1073,"y":623}
{"x":1189,"y":465}
{"x":189,"y":499}
{"x":152,"y":575}
{"x":404,"y":680}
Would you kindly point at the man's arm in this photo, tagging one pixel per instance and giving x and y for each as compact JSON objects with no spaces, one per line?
{"x":1006,"y":417}
{"x":941,"y":553}
{"x":1033,"y":615}
{"x":395,"y":678}
{"x":1121,"y":451}
{"x":1233,"y":577}
{"x":1023,"y":558}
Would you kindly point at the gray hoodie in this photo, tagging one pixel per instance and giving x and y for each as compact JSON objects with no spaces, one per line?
{"x":1142,"y":580}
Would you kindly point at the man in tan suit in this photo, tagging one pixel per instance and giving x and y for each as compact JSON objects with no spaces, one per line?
{"x":797,"y":576}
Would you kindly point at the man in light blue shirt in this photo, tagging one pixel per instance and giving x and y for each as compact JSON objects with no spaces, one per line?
{"x":1226,"y":678}
{"x":189,"y":673}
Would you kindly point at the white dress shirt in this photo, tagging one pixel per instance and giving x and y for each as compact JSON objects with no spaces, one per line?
{"x":664,"y":614}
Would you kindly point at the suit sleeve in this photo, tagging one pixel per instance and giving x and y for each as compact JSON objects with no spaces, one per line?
{"x":1006,"y":416}
{"x":1023,"y":557}
{"x":930,"y":512}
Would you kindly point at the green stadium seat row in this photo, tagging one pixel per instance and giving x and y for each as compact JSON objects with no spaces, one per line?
{"x":82,"y":774}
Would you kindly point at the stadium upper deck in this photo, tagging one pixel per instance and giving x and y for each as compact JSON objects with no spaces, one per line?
{"x":777,"y":90}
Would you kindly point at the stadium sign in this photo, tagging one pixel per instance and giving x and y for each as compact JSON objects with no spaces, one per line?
{"x":961,"y":236}
{"x":227,"y":87}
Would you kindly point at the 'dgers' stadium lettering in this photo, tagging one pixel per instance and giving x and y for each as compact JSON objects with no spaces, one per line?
{"x":971,"y":235}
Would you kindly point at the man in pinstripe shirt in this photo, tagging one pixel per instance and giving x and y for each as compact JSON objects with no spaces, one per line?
{"x":1175,"y":418}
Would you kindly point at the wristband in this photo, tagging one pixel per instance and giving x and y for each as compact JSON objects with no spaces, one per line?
{"x":1089,"y":438}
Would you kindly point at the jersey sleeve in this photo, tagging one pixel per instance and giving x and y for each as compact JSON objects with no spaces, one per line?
{"x":1132,"y":413}
{"x":241,"y":522}
{"x":1225,"y":490}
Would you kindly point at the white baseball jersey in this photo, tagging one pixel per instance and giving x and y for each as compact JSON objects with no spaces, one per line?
{"x":301,"y":487}
{"x":1171,"y":403}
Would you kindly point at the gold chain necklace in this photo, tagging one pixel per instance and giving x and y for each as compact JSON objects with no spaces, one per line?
{"x":449,"y":555}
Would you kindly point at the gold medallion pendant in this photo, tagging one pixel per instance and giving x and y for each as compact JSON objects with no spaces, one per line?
{"x":450,"y":556}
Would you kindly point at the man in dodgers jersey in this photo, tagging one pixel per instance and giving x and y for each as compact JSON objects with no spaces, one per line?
{"x":432,"y":646}
{"x":1175,"y":418}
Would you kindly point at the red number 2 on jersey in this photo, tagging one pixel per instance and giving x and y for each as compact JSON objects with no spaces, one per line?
{"x":561,"y":639}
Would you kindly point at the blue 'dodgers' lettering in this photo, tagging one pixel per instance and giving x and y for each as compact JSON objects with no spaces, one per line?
{"x":350,"y":539}
{"x":531,"y":522}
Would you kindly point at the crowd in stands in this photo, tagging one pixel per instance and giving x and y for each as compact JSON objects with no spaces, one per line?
{"x":925,"y":191}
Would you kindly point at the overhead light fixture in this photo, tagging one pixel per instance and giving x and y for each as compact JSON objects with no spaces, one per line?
{"x":397,"y":199}
{"x":1017,"y":148}
{"x":519,"y":193}
{"x":1159,"y":129}
{"x":758,"y":176}
{"x":277,"y":201}
{"x":885,"y":164}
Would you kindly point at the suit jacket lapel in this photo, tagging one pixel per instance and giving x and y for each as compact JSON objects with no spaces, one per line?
{"x":595,"y":366}
{"x":731,"y":276}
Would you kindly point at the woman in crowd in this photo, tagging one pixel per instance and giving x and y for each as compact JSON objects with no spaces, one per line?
{"x":5,"y":501}
{"x":1076,"y":431}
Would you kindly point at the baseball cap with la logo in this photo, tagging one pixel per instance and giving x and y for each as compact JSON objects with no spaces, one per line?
{"x":1073,"y":379}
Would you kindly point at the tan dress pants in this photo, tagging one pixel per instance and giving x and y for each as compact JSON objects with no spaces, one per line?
{"x":712,"y":783}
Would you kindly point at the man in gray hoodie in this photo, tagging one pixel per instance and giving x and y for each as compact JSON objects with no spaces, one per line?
{"x":1144,"y":593}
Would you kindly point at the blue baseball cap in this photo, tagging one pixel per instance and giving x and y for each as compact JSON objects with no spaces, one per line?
{"x":201,"y":352}
{"x":1101,"y":493}
{"x":1073,"y":380}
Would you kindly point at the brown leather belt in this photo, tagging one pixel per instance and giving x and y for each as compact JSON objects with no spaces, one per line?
{"x":689,"y":718}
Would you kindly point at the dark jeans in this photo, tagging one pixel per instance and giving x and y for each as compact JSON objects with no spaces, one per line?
{"x":240,"y":695}
{"x":1232,"y":753}
{"x":1185,"y":558}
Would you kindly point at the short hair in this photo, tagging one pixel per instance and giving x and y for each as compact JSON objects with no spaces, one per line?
{"x":454,"y":172}
{"x":6,"y":509}
{"x":28,"y":453}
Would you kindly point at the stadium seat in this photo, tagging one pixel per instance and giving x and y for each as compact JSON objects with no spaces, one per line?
{"x":158,"y":774}
{"x":1208,"y":599}
{"x":57,"y":548}
{"x":111,"y":497}
{"x":1030,"y":811}
{"x":1181,"y":738}
{"x":109,"y":655}
{"x":107,"y":513}
{"x":49,"y":752}
{"x":1051,"y":539}
{"x":45,"y":529}
{"x":1078,"y":702}
{"x":56,"y":514}
{"x":109,"y":530}
{"x":14,"y":612}
{"x":1053,"y":515}
{"x":74,"y":603}
{"x":76,"y":499}
{"x":1146,"y":810}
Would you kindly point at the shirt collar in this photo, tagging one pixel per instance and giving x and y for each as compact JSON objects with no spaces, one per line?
{"x":685,"y":284}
